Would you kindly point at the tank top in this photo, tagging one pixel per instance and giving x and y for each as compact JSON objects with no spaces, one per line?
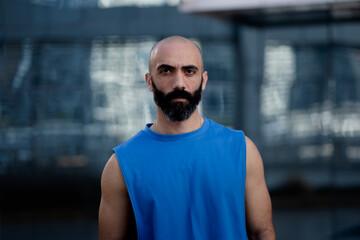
{"x":187,"y":186}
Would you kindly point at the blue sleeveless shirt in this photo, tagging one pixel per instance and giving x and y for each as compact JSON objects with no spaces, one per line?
{"x":187,"y":186}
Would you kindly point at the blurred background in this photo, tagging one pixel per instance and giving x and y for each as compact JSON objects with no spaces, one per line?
{"x":72,"y":87}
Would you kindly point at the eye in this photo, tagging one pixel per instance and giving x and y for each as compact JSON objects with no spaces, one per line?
{"x":164,"y":70}
{"x":190,"y":71}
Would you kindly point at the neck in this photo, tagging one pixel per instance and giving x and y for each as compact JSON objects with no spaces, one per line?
{"x":163,"y":125}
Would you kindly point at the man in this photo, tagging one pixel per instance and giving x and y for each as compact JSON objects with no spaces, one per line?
{"x":183,"y":177}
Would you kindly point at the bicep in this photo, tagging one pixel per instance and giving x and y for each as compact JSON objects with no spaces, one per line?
{"x":115,"y":204}
{"x":257,"y":198}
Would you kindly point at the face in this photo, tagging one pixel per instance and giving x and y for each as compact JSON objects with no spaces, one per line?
{"x":176,"y":78}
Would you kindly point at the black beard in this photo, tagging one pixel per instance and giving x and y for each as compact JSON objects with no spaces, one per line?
{"x":177,"y":111}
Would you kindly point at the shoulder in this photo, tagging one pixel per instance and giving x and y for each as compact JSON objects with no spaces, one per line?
{"x":253,"y":158}
{"x":250,"y":146}
{"x":112,"y":177}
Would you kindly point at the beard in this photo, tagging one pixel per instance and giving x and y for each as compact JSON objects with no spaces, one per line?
{"x":177,"y":111}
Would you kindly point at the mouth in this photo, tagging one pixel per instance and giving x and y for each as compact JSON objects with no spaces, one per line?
{"x":179,"y":100}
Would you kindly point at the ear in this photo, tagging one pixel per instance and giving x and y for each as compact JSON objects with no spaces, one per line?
{"x":205,"y":78}
{"x":148,"y":80}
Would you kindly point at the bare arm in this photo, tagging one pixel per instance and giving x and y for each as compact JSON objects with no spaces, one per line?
{"x":115,"y":207}
{"x":257,"y":199}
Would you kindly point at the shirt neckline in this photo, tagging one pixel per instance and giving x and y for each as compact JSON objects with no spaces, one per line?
{"x":177,"y":137}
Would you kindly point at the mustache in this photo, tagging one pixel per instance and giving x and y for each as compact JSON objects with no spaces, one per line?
{"x":178,"y":94}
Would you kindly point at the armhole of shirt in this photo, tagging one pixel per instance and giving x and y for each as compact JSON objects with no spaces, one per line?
{"x":129,"y":189}
{"x":243,"y":165}
{"x":243,"y":154}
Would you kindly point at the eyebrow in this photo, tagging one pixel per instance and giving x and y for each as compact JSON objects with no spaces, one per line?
{"x":165,"y":66}
{"x":172,"y":67}
{"x":190,"y":67}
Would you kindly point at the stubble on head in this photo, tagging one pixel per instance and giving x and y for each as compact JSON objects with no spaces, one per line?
{"x":169,"y":40}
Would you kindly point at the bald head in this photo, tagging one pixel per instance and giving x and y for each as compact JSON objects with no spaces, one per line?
{"x":173,"y":43}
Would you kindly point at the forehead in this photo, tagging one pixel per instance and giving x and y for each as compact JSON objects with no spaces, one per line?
{"x":176,"y":54}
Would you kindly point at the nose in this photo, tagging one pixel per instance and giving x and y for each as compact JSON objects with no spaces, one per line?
{"x":179,"y":81}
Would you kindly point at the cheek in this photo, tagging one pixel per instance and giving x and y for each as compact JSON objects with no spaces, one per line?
{"x":164,"y":86}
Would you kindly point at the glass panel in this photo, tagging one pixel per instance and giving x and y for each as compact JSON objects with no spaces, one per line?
{"x":299,"y":98}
